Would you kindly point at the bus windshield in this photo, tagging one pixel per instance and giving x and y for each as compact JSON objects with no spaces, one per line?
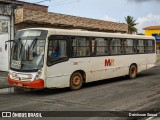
{"x":27,"y":52}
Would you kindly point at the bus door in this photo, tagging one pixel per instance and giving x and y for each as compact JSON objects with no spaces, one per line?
{"x":57,"y":57}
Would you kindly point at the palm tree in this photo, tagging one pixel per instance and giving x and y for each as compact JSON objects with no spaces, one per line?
{"x":131,"y":22}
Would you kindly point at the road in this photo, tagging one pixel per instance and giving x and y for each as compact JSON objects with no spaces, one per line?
{"x":117,"y":94}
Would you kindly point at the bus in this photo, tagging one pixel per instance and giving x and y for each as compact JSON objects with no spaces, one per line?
{"x":57,"y":58}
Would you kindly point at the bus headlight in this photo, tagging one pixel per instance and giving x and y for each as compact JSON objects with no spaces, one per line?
{"x":38,"y":75}
{"x":10,"y":74}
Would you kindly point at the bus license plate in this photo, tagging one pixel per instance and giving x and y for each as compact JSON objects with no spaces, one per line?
{"x":18,"y":85}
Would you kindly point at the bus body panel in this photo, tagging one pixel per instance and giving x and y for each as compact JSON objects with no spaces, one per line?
{"x":59,"y":74}
{"x":95,"y":67}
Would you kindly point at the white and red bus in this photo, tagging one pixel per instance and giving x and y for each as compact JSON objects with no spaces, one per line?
{"x":58,"y":58}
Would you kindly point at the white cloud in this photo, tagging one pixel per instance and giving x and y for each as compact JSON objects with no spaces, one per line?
{"x":107,"y":18}
{"x":149,"y":20}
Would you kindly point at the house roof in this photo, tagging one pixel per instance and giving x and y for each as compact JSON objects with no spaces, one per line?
{"x":152,"y":28}
{"x":67,"y":21}
{"x":31,"y":13}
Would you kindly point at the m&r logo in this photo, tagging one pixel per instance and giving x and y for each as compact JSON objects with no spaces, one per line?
{"x":109,"y":62}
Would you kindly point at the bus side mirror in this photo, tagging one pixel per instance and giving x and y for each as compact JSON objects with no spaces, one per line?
{"x":6,"y":43}
{"x":5,"y":46}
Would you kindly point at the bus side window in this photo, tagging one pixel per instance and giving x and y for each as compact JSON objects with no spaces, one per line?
{"x":57,"y":51}
{"x":50,"y":49}
{"x":129,"y":46}
{"x":80,"y":46}
{"x":93,"y":43}
{"x":150,"y":46}
{"x":116,"y":46}
{"x":101,"y":46}
{"x":140,"y":46}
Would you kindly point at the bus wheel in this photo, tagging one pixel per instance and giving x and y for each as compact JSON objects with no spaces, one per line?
{"x":76,"y":81}
{"x":132,"y":71}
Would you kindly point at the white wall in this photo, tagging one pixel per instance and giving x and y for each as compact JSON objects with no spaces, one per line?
{"x":4,"y":36}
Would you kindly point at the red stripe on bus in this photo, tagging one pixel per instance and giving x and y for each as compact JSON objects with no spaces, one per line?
{"x":39,"y":83}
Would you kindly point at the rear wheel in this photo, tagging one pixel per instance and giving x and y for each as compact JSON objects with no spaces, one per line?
{"x":76,"y":81}
{"x":132,"y":71}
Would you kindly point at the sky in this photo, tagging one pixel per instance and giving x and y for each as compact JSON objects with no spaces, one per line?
{"x":146,"y":12}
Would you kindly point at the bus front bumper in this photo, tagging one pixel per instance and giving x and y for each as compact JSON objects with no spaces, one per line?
{"x":29,"y":84}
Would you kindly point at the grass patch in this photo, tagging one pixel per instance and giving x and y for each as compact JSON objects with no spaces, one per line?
{"x":158,"y":59}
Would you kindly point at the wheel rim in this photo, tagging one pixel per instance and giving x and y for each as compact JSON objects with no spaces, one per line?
{"x":76,"y":80}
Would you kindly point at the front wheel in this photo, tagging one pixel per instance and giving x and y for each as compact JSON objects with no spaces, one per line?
{"x":132,"y":71}
{"x":76,"y":81}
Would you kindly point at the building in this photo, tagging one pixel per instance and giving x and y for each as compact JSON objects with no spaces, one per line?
{"x":29,"y":15}
{"x":154,"y":31}
{"x":38,"y":16}
{"x":7,"y":26}
{"x":6,"y":31}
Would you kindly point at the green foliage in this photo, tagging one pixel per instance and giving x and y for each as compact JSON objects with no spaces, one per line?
{"x":131,"y":24}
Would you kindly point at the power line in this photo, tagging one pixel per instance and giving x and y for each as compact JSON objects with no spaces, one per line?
{"x":57,"y":3}
{"x":42,"y":1}
{"x":60,"y":1}
{"x":60,"y":4}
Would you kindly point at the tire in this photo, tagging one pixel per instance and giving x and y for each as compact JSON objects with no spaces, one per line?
{"x":76,"y":81}
{"x":132,"y":71}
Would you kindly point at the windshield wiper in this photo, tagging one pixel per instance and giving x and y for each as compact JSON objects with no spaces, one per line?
{"x":31,"y":47}
{"x":33,"y":44}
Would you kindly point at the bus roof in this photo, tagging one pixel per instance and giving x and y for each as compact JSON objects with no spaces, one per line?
{"x":77,"y":32}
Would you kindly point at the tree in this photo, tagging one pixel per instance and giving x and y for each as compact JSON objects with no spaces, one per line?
{"x":131,"y":22}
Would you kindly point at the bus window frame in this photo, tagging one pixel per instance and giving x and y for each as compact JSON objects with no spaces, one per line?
{"x":71,"y":46}
{"x":57,"y":37}
{"x":134,"y":46}
{"x":90,"y":46}
{"x":123,"y":50}
{"x":154,"y":43}
{"x":144,"y":51}
{"x":95,"y":49}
